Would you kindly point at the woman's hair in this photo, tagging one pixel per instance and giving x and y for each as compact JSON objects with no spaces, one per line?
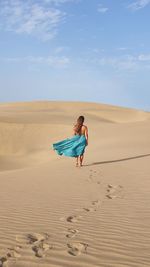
{"x":78,"y":125}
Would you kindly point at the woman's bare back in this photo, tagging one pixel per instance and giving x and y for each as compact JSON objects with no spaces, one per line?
{"x":83,"y":130}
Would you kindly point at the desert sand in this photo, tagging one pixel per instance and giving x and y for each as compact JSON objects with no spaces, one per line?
{"x":55,"y":214}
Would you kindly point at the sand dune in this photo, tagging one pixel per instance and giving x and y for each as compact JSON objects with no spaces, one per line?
{"x":53,"y":214}
{"x":27,"y":130}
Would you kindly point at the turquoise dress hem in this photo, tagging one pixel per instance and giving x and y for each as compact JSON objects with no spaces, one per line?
{"x":71,"y":147}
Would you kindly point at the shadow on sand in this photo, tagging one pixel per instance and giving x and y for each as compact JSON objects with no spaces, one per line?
{"x":117,"y":160}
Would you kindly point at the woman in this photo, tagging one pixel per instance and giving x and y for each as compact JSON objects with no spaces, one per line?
{"x":74,"y":146}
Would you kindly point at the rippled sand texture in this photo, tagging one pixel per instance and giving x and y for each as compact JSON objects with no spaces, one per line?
{"x":55,"y":214}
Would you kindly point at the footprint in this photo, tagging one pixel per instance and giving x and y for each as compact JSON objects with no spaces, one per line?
{"x":14,"y":252}
{"x":92,"y":177}
{"x":90,"y":209}
{"x":93,"y":171}
{"x":114,"y":191}
{"x":3,"y":261}
{"x":114,"y":186}
{"x":71,"y":233}
{"x":36,"y":237}
{"x":96,"y":202}
{"x":76,"y":248}
{"x":110,"y":186}
{"x":41,"y":248}
{"x":39,"y":242}
{"x":110,"y":196}
{"x":73,"y":219}
{"x":93,"y":180}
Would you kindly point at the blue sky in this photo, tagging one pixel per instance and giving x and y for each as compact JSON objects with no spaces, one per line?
{"x":80,"y":50}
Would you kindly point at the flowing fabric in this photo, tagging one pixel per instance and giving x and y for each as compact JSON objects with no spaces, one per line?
{"x":71,"y":147}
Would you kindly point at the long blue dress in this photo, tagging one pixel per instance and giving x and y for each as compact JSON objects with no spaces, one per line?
{"x":71,"y":147}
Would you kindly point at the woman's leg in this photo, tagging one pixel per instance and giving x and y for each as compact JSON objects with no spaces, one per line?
{"x":81,"y":159}
{"x":77,"y":163}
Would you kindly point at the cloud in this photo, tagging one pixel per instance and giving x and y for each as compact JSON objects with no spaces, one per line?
{"x":59,"y":2}
{"x":124,"y":62}
{"x":31,"y":18}
{"x":119,"y":63}
{"x":143,"y":57}
{"x":102,"y":9}
{"x":60,"y":49}
{"x":122,"y":48}
{"x":139,"y":4}
{"x":50,"y":61}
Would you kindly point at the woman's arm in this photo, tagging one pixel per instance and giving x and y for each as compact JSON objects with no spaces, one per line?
{"x":86,"y":135}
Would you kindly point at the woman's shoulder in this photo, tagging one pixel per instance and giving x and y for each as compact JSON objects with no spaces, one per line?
{"x":85,"y":127}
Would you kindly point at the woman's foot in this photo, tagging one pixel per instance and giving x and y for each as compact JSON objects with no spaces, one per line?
{"x":77,"y":164}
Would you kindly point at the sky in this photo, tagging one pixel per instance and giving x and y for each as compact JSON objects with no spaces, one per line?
{"x":75,"y":50}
